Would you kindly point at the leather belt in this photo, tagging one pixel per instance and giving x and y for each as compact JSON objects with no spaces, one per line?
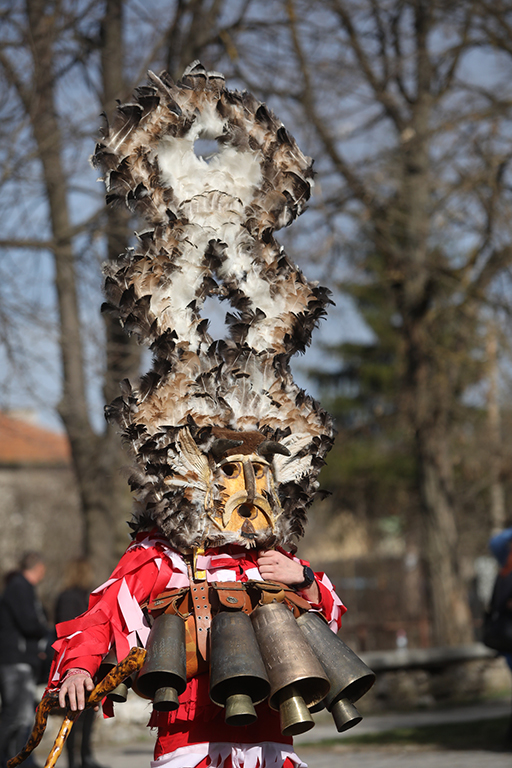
{"x":202,"y":613}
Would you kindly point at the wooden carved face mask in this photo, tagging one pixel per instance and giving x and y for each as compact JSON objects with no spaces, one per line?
{"x":247,"y":484}
{"x":247,"y":505}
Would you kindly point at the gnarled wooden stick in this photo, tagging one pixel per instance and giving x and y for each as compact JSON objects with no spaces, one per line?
{"x":43,"y":710}
{"x":60,"y":740}
{"x":124,"y":669}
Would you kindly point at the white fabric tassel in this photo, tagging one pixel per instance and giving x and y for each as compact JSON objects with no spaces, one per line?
{"x":269,"y":754}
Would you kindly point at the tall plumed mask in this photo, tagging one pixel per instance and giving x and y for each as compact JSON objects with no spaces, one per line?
{"x":226,"y":447}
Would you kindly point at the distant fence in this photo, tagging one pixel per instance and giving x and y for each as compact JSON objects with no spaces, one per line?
{"x":425,"y":658}
{"x":386,"y":599}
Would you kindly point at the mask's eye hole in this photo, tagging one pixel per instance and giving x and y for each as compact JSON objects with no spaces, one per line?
{"x":231,"y":470}
{"x":258,"y":471}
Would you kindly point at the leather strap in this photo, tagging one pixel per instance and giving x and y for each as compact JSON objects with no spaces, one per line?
{"x":233,"y":595}
{"x":271,"y":596}
{"x":202,"y":613}
{"x":165,"y":601}
{"x":274,"y":591}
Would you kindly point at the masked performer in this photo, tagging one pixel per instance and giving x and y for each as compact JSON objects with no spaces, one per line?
{"x":226,"y":447}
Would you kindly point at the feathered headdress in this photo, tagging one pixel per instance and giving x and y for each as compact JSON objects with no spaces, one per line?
{"x":227,"y":448}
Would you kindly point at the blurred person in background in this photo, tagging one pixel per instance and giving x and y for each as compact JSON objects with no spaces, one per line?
{"x":23,"y":636}
{"x":501,"y":547}
{"x":72,"y":602}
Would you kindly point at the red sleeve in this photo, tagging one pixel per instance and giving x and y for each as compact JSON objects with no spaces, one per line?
{"x":330,"y":604}
{"x":114,"y":617}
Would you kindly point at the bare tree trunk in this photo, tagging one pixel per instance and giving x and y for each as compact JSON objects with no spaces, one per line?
{"x":427,"y":402}
{"x":186,"y":43}
{"x":122,"y":352}
{"x":451,"y":619}
{"x":40,"y":105}
{"x":429,"y":396}
{"x":497,"y":490}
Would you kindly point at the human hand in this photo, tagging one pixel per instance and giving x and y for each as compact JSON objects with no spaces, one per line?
{"x":74,"y":688}
{"x":275,"y":566}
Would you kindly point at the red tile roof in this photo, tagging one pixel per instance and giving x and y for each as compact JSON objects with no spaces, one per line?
{"x":24,"y":443}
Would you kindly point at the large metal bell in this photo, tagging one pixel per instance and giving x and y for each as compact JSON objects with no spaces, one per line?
{"x":120,"y":693}
{"x":163,"y":676}
{"x":238,"y":679}
{"x":349,"y":676}
{"x":297,"y":678}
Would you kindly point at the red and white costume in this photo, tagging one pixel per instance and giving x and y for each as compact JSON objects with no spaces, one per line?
{"x":195,"y":735}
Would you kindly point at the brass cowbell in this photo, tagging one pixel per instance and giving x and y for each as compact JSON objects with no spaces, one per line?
{"x":238,"y":679}
{"x":349,"y":676}
{"x":297,"y":678}
{"x":120,"y":693}
{"x":163,"y":676}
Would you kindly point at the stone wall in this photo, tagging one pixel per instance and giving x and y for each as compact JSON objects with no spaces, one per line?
{"x":453,"y":684}
{"x":39,"y":510}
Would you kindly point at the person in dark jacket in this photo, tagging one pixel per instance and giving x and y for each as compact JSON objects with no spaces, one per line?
{"x":501,"y":547}
{"x":72,"y":602}
{"x":23,"y":633}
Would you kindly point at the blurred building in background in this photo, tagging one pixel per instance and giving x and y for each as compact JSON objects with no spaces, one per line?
{"x":39,"y":504}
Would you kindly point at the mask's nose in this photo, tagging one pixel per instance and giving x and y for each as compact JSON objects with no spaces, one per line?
{"x":250,"y":482}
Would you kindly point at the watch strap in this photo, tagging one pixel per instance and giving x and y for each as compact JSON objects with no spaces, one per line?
{"x":309,"y":578}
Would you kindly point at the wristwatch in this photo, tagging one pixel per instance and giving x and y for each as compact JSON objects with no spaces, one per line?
{"x":309,"y":578}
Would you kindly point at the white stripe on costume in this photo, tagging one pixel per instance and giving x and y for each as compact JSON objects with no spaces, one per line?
{"x":104,"y":586}
{"x":253,"y":574}
{"x":130,"y":608}
{"x":216,"y":572}
{"x":335,"y":619}
{"x":220,"y":574}
{"x":179,"y":576}
{"x":268,"y":754}
{"x":134,"y":618}
{"x":56,"y":674}
{"x":149,"y":541}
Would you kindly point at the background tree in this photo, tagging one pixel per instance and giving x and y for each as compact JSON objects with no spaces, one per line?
{"x":62,"y":64}
{"x":407,"y":106}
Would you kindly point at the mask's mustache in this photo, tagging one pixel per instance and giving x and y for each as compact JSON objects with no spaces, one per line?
{"x":242,"y":498}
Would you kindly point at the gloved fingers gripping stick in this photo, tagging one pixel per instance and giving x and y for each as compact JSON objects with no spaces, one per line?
{"x":124,"y":669}
{"x":348,"y":675}
{"x":297,"y":678}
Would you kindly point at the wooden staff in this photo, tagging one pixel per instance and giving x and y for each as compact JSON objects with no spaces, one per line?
{"x":124,"y":669}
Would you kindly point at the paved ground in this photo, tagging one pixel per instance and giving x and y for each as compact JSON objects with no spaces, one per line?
{"x":125,"y":745}
{"x":403,"y":758}
{"x":343,"y":757}
{"x":324,"y":729}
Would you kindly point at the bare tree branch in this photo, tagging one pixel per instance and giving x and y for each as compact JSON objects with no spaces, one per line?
{"x":378,"y":85}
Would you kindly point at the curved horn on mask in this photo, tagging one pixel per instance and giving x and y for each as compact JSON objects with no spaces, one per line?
{"x":221,"y":445}
{"x":269,"y":447}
